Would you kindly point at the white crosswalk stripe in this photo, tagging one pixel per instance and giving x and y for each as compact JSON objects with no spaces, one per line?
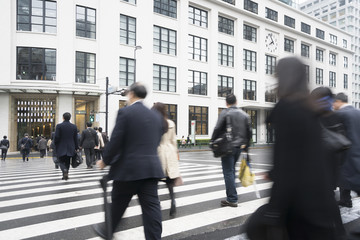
{"x":36,"y":204}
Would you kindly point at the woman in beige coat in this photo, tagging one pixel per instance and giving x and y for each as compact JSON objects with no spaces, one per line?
{"x":168,"y":154}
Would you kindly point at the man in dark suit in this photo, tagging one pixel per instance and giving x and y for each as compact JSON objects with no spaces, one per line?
{"x":135,"y":165}
{"x":88,"y":141}
{"x":66,"y":143}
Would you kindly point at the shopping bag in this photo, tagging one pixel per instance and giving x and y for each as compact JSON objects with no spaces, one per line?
{"x":245,"y":175}
{"x":76,"y":160}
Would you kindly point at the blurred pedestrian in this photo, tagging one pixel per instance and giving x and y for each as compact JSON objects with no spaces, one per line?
{"x":89,"y":140}
{"x":53,"y":148}
{"x":302,"y":205}
{"x":99,"y":146}
{"x":4,"y":146}
{"x":42,"y":145}
{"x":168,"y":154}
{"x":105,"y":140}
{"x":241,"y":135}
{"x":350,"y":169}
{"x":66,"y":144}
{"x":25,"y":144}
{"x":135,"y":165}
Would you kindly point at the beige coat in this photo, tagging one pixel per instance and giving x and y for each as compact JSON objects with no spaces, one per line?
{"x":168,"y":152}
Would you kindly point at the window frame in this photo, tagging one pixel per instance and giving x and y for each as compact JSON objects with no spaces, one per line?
{"x":192,"y":73}
{"x":271,"y":14}
{"x":87,"y":23}
{"x":305,"y":28}
{"x":289,"y":45}
{"x":249,"y":33}
{"x":225,"y":59}
{"x":84,"y":67}
{"x":320,"y":33}
{"x":201,"y":50}
{"x":252,"y":91}
{"x":305,"y":50}
{"x":289,"y":21}
{"x":167,"y":79}
{"x":167,"y":41}
{"x":204,"y":119}
{"x":201,"y":17}
{"x":270,"y":68}
{"x":128,"y":81}
{"x":332,"y":79}
{"x":251,"y":61}
{"x":319,"y":55}
{"x":223,"y":91}
{"x":319,"y":79}
{"x":346,"y":81}
{"x":226,"y":25}
{"x":251,"y":6}
{"x":127,"y":30}
{"x":164,"y":7}
{"x":332,"y":59}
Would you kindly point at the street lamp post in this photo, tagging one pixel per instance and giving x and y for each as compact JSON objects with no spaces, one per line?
{"x":136,"y":48}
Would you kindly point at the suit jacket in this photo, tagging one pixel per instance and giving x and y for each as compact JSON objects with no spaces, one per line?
{"x":27,"y":141}
{"x":66,"y":139}
{"x":89,"y":138}
{"x":132,"y":149}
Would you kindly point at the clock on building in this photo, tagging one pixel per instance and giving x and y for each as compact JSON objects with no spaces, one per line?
{"x":271,"y":42}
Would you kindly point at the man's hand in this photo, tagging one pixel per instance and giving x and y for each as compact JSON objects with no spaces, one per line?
{"x":100,"y":164}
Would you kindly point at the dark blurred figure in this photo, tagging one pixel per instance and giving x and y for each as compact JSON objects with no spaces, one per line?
{"x":350,"y":170}
{"x":25,"y":144}
{"x":302,"y":205}
{"x":89,"y":140}
{"x":105,"y":139}
{"x":52,"y":146}
{"x":42,"y":145}
{"x":5,"y":144}
{"x":98,"y":148}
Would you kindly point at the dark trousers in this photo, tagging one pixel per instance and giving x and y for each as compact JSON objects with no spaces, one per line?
{"x":147,"y":191}
{"x":64,"y":163}
{"x":3,"y":153}
{"x":25,"y":153}
{"x":98,"y":154}
{"x":228,"y":163}
{"x":345,"y":195}
{"x":90,"y":156}
{"x":42,"y":152}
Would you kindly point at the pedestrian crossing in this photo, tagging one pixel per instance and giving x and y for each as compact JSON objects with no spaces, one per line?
{"x":36,"y":204}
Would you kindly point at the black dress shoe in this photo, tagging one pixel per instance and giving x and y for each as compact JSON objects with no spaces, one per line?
{"x":100,"y":230}
{"x":65,"y":175}
{"x":347,"y":204}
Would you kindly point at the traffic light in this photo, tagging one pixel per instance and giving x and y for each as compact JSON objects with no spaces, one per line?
{"x":92,"y":117}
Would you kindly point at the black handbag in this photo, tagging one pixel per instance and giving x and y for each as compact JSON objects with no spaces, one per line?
{"x":333,"y":140}
{"x":221,"y":146}
{"x":76,"y":160}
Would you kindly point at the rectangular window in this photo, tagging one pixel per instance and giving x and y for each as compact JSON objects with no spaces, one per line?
{"x":320,"y":34}
{"x":333,"y":39}
{"x":251,"y":6}
{"x":270,"y":64}
{"x":346,"y":81}
{"x":127,"y":30}
{"x":85,"y":22}
{"x":305,"y":50}
{"x":249,"y":90}
{"x":270,"y":95}
{"x":197,"y":82}
{"x":36,"y":16}
{"x":130,"y":1}
{"x":319,"y":76}
{"x":85,"y":67}
{"x":198,"y":17}
{"x":344,"y":43}
{"x":332,"y":59}
{"x":226,"y":25}
{"x":319,"y":55}
{"x":226,"y":55}
{"x":200,"y":115}
{"x":271,"y":14}
{"x":253,"y":123}
{"x":166,"y":7}
{"x":249,"y":33}
{"x":36,"y":64}
{"x":127,"y":71}
{"x":164,"y":78}
{"x":249,"y":60}
{"x":172,"y":113}
{"x":225,"y":85}
{"x":288,"y":21}
{"x":288,"y":45}
{"x":307,"y":73}
{"x":305,"y":28}
{"x":229,"y":1}
{"x":332,"y":79}
{"x":197,"y":48}
{"x":346,"y":62}
{"x":164,"y":40}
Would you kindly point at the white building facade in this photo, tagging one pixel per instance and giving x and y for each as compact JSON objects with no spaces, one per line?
{"x":343,"y":14}
{"x":56,"y":56}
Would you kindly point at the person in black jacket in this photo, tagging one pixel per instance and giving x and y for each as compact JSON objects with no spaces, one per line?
{"x":25,"y":144}
{"x":88,"y":141}
{"x":5,"y":146}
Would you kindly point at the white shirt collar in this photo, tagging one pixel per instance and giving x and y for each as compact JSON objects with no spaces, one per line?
{"x":344,"y":105}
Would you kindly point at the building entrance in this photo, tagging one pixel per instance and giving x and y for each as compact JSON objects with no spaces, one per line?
{"x":83,"y":109}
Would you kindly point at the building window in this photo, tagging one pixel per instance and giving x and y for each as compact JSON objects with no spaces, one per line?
{"x":305,"y":28}
{"x":197,"y":48}
{"x":122,"y":103}
{"x":226,"y":25}
{"x":307,"y":73}
{"x":85,"y":67}
{"x":319,"y":76}
{"x":36,"y":16}
{"x":164,"y":40}
{"x":172,"y":113}
{"x":249,"y":33}
{"x":249,"y":90}
{"x":229,"y":1}
{"x":249,"y":60}
{"x":197,"y":82}
{"x":85,"y":22}
{"x":270,"y":96}
{"x":166,"y":7}
{"x":346,"y":62}
{"x":130,"y":1}
{"x":253,"y":123}
{"x":305,"y":50}
{"x":251,"y":6}
{"x":344,"y":43}
{"x":288,"y":45}
{"x":36,"y":64}
{"x":332,"y":79}
{"x":333,"y":39}
{"x":198,"y":17}
{"x":332,"y":59}
{"x":127,"y":71}
{"x":271,"y":14}
{"x":345,"y":81}
{"x":164,"y":78}
{"x":320,"y":34}
{"x":270,"y":64}
{"x":200,"y":115}
{"x":127,"y":30}
{"x":288,"y":21}
{"x":226,"y":55}
{"x":319,"y":55}
{"x":225,"y":85}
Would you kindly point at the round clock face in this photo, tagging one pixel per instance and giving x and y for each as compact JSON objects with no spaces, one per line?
{"x":271,"y":42}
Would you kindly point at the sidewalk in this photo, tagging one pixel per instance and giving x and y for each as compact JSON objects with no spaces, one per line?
{"x":206,"y":147}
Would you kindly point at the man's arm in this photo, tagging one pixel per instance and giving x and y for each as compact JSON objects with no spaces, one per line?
{"x":57,"y":135}
{"x":75,"y":138}
{"x":82,"y":138}
{"x":219,"y":125}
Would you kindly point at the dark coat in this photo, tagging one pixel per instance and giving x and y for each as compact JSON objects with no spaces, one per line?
{"x":350,"y":170}
{"x":42,"y":145}
{"x":5,"y":143}
{"x":66,"y":139}
{"x":132,"y":149}
{"x":89,"y":138}
{"x":27,"y":141}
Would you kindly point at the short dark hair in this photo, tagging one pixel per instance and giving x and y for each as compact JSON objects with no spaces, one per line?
{"x":95,"y":128}
{"x":100,"y":129}
{"x":138,"y":89}
{"x":230,"y":99}
{"x":88,"y":124}
{"x":5,"y":136}
{"x":67,"y":116}
{"x":341,"y":97}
